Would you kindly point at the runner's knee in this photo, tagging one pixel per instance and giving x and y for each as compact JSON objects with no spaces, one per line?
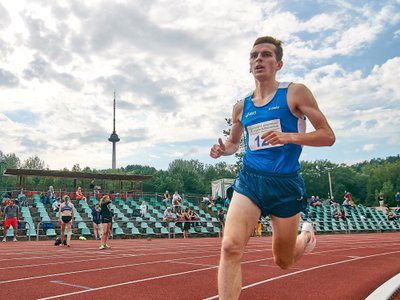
{"x":232,"y":248}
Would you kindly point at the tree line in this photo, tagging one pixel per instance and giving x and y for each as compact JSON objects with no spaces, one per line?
{"x":363,"y":180}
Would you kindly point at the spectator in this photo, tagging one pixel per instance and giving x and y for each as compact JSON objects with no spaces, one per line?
{"x":66,"y":218}
{"x":397,"y":198}
{"x":79,"y":195}
{"x":96,"y":217}
{"x":381,"y":200}
{"x":335,"y":213}
{"x":143,"y":209}
{"x":50,"y":196}
{"x":332,"y":202}
{"x":176,"y":202}
{"x":391,"y":216}
{"x":168,"y":215}
{"x":106,"y":220}
{"x":56,"y":205}
{"x":194,"y":216}
{"x":94,"y":187}
{"x":186,"y":223}
{"x":259,"y":228}
{"x":345,"y":203}
{"x":11,"y":216}
{"x":179,"y":218}
{"x":342,"y":214}
{"x":315,"y":201}
{"x":206,"y":200}
{"x":350,"y":202}
{"x":22,"y":198}
{"x":221,"y":223}
{"x":167,"y":198}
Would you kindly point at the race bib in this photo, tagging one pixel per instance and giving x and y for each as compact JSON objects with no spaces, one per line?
{"x":257,"y":130}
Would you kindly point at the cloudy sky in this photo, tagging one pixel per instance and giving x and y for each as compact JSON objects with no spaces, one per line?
{"x":179,"y":66}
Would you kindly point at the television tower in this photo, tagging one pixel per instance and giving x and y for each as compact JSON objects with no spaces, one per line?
{"x":114,"y":139}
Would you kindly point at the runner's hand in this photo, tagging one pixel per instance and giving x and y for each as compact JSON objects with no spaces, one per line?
{"x":218,"y":149}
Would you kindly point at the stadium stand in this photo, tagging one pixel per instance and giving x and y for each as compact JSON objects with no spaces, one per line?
{"x":40,"y":221}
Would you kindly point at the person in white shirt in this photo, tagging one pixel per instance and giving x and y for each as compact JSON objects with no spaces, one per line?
{"x":143,"y":209}
{"x":176,"y":202}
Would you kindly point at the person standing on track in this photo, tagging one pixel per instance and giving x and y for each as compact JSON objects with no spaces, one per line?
{"x":66,"y":218}
{"x":106,"y":220}
{"x":11,"y":215}
{"x":273,"y":117}
{"x":96,"y":217}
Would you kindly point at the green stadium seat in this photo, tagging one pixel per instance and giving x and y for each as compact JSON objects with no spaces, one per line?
{"x":135,"y":230}
{"x":51,"y":232}
{"x":118,"y":231}
{"x":150,"y":231}
{"x":85,"y":231}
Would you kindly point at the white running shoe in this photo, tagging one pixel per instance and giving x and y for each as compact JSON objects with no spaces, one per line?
{"x":15,"y":239}
{"x":313,"y":241}
{"x":4,"y":240}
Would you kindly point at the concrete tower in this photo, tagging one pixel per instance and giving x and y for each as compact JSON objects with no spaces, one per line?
{"x":114,"y":139}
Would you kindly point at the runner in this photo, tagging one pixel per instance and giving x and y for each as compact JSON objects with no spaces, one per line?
{"x":273,"y":117}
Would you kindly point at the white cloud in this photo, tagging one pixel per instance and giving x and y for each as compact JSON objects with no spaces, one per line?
{"x":368,"y":147}
{"x":177,"y":70}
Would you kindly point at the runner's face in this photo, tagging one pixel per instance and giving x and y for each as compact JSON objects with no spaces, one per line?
{"x":263,"y":61}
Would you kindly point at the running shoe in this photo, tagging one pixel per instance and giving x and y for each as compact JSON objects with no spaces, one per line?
{"x":4,"y":240}
{"x":15,"y":239}
{"x":107,"y":247}
{"x":102,"y":247}
{"x":313,"y":240}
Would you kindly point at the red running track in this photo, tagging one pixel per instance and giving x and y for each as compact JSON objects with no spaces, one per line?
{"x":341,"y":267}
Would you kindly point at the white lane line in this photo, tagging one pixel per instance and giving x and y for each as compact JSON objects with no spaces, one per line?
{"x":70,"y":284}
{"x":309,"y":269}
{"x":128,"y":282}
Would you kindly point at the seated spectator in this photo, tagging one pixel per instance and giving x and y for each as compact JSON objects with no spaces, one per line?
{"x":342,"y":214}
{"x":22,"y":198}
{"x":392,"y":216}
{"x":315,"y":201}
{"x":79,"y":195}
{"x":346,"y":203}
{"x":176,"y":202}
{"x":336,"y":213}
{"x":56,"y":205}
{"x":350,"y":202}
{"x":193,"y":216}
{"x":50,"y":196}
{"x":332,"y":202}
{"x":143,"y":209}
{"x":168,"y":215}
{"x":206,"y":200}
{"x":167,"y":198}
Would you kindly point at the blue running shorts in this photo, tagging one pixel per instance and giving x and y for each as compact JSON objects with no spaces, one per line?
{"x":280,"y":195}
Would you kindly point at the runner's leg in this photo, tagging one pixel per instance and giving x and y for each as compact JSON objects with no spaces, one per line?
{"x":242,"y":216}
{"x":287,"y":245}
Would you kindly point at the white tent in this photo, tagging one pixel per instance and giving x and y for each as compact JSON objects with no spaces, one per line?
{"x":220,"y":186}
